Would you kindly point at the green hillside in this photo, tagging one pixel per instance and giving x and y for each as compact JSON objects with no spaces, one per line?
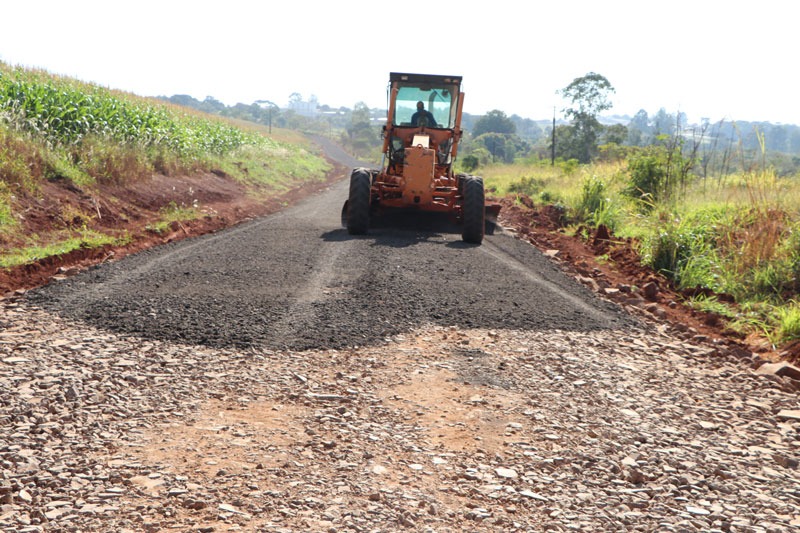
{"x":83,"y":166}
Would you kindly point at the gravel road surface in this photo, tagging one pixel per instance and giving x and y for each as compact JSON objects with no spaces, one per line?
{"x":284,"y":376}
{"x":298,"y":280}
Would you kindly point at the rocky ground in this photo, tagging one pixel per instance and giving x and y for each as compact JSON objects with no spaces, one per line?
{"x":655,"y":420}
{"x":439,"y":429}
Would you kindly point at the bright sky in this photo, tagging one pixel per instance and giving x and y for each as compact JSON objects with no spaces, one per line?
{"x":732,"y":60}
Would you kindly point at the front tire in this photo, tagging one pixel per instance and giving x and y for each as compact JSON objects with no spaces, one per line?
{"x":359,"y":202}
{"x":473,"y":211}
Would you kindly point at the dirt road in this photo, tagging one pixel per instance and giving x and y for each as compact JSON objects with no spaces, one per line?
{"x":285,"y":376}
{"x":298,"y":280}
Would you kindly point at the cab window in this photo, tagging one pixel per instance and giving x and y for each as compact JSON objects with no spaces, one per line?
{"x":441,"y":101}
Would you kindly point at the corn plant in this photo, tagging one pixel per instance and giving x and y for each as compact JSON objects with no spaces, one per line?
{"x":64,"y":112}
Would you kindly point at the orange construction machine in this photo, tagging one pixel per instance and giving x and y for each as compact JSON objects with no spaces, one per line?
{"x":420,"y":143}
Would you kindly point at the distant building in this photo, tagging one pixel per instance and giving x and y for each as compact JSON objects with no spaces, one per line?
{"x":306,"y":108}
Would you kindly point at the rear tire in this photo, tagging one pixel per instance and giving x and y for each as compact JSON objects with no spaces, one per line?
{"x":473,"y":210}
{"x":359,"y":202}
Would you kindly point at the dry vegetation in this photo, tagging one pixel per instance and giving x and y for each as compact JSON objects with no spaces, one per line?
{"x":734,"y":240}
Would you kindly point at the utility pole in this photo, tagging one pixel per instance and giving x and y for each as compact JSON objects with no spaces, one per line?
{"x":269,"y":109}
{"x":553,"y":142}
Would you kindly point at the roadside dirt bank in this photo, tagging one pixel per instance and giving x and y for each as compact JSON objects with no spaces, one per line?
{"x":130,"y":210}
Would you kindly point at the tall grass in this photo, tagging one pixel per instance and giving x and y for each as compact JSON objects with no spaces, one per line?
{"x":738,"y":234}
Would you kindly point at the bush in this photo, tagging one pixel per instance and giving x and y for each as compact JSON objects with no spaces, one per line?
{"x":527,"y":185}
{"x":788,"y":318}
{"x":657,"y":173}
{"x":666,"y":251}
{"x":569,"y":166}
{"x":683,"y":250}
{"x":592,"y":200}
{"x":469,"y":163}
{"x":647,"y":177}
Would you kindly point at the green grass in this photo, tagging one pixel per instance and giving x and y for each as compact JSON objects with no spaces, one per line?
{"x":171,"y":214}
{"x":711,"y":304}
{"x":30,"y":254}
{"x":7,"y":219}
{"x":737,"y":234}
{"x":274,"y":166}
{"x":788,"y":322}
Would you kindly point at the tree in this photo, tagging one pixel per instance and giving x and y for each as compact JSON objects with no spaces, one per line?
{"x":360,"y":131}
{"x":663,"y":123}
{"x":615,"y":134}
{"x":589,"y":96}
{"x":502,"y":146}
{"x":639,"y":129}
{"x":495,"y":143}
{"x":567,"y":143}
{"x":212,"y":105}
{"x":494,"y":121}
{"x":526,"y":128}
{"x":794,"y":140}
{"x":635,"y":137}
{"x":184,"y":100}
{"x":641,"y":121}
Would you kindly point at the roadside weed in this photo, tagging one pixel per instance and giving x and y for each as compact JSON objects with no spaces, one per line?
{"x":788,"y":318}
{"x":737,"y":234}
{"x":30,"y":254}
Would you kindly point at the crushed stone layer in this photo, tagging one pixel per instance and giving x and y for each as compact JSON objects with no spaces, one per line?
{"x":436,"y":429}
{"x":296,"y":280}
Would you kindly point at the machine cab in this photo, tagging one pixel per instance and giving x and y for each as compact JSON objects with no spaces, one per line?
{"x":438,"y":96}
{"x":424,"y":112}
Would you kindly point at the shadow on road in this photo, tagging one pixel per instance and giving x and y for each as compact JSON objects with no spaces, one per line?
{"x":402,"y":229}
{"x":392,"y":239}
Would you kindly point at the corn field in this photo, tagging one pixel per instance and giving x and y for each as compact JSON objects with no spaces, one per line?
{"x":64,"y":112}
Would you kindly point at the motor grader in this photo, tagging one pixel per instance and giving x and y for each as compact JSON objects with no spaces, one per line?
{"x":420,"y":144}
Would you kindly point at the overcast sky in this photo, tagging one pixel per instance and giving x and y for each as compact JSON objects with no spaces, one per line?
{"x":733,"y":60}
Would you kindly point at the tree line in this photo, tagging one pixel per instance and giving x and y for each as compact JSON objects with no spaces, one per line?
{"x":583,"y":137}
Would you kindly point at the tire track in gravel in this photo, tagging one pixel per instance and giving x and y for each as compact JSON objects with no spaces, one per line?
{"x":498,"y":252}
{"x":301,"y":310}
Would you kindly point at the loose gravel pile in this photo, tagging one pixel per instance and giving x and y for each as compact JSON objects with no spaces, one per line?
{"x":438,"y":429}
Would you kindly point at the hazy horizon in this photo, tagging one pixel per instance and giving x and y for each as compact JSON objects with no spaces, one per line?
{"x":720,"y":62}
